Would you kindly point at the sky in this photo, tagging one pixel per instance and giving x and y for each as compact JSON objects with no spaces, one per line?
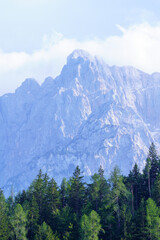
{"x":36,"y":36}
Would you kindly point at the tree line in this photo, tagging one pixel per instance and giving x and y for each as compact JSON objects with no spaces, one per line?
{"x":118,"y":208}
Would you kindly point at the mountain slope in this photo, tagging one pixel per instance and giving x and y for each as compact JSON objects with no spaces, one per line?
{"x":91,"y":114}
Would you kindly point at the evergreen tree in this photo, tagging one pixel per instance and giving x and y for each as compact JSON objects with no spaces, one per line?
{"x":18,"y":222}
{"x":37,"y":188}
{"x":98,"y":190}
{"x":77,"y":192}
{"x":104,"y":186}
{"x":94,"y":190}
{"x":76,"y":199}
{"x":150,"y":171}
{"x":21,"y":197}
{"x":53,"y":199}
{"x":153,"y":220}
{"x":134,"y":180}
{"x":90,"y":226}
{"x":147,"y":174}
{"x":108,"y":220}
{"x":85,"y":228}
{"x":4,"y":222}
{"x":53,"y":204}
{"x":45,"y":233}
{"x":156,"y":191}
{"x":63,"y":193}
{"x":138,"y":226}
{"x":119,"y":197}
{"x":125,"y":221}
{"x":152,"y":155}
{"x":65,"y":223}
{"x":33,"y":218}
{"x":11,"y":201}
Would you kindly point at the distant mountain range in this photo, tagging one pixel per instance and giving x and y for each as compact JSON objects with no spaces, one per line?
{"x":90,"y":115}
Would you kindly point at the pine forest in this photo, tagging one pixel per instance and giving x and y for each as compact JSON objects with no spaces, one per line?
{"x":115,"y":208}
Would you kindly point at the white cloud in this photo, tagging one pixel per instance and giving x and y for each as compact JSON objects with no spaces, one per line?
{"x":139,"y":46}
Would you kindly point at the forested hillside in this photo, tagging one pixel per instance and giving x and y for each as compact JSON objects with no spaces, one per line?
{"x":121,"y":207}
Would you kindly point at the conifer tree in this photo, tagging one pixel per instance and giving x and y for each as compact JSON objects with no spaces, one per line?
{"x":77,"y":191}
{"x":138,"y":226}
{"x":152,"y":155}
{"x":53,"y":204}
{"x":119,"y":196}
{"x":134,"y":180}
{"x":65,"y":223}
{"x":21,"y":197}
{"x":45,"y":233}
{"x":153,"y":220}
{"x":33,"y":218}
{"x":148,"y":171}
{"x":94,"y":190}
{"x":37,"y":188}
{"x":90,"y":226}
{"x":125,"y":221}
{"x":63,"y":193}
{"x":104,"y":186}
{"x":76,"y":199}
{"x":156,"y":191}
{"x":98,"y":190}
{"x":4,"y":221}
{"x":18,"y":222}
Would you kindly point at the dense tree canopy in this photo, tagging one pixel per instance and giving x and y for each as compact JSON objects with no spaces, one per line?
{"x":117,"y":208}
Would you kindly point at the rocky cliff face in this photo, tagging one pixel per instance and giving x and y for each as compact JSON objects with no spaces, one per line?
{"x":91,"y":114}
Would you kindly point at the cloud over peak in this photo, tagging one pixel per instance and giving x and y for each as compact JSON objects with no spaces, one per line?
{"x":137,"y":45}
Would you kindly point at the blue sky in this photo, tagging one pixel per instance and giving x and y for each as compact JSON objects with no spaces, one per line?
{"x":37,"y":35}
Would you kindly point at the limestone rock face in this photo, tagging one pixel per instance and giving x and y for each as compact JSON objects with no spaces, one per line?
{"x":90,"y":115}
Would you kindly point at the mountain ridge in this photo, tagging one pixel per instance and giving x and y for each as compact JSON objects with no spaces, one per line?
{"x":89,"y":115}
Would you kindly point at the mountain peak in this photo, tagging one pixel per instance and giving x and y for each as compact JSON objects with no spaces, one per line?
{"x":78,"y":54}
{"x":28,"y":85}
{"x":90,"y":115}
{"x":29,"y":82}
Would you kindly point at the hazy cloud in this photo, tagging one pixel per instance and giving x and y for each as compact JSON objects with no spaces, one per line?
{"x":137,"y":46}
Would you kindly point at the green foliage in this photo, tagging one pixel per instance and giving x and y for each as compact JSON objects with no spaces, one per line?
{"x":154,"y":163}
{"x":153,"y":220}
{"x":94,"y":191}
{"x":33,"y":218}
{"x":37,"y":188}
{"x":120,"y":196}
{"x":156,"y":191}
{"x":138,"y":224}
{"x":134,"y":184}
{"x":4,"y":221}
{"x":90,"y":226}
{"x":53,"y":200}
{"x":116,"y":208}
{"x":45,"y":233}
{"x":18,"y":222}
{"x":77,"y":192}
{"x":98,"y":190}
{"x":65,"y":223}
{"x":64,"y":192}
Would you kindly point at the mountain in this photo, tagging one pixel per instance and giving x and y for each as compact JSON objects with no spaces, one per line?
{"x":90,"y":115}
